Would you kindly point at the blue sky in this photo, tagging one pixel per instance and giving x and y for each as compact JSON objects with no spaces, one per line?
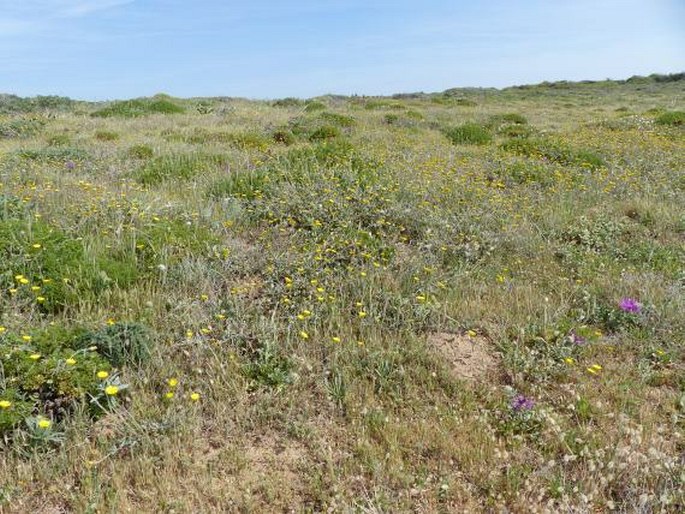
{"x":103,"y":49}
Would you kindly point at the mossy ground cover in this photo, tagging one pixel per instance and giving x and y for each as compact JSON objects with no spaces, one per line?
{"x":230,"y":305}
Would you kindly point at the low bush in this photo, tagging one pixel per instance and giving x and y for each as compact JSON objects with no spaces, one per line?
{"x":468,"y":134}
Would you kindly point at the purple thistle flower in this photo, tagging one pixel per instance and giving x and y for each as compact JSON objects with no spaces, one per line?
{"x":576,"y":339}
{"x":521,"y":403}
{"x":70,"y":165}
{"x":629,"y":305}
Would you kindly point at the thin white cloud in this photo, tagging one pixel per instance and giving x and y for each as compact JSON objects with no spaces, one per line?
{"x":19,"y":18}
{"x":31,"y":10}
{"x":83,"y":8}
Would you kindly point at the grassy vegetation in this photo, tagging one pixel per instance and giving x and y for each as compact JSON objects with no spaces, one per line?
{"x":139,"y":107}
{"x":466,"y":301}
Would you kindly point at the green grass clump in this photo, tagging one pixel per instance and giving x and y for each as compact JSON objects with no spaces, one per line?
{"x":508,"y":118}
{"x":283,"y":136}
{"x":139,"y":107}
{"x":11,"y":207}
{"x":246,"y":185}
{"x":21,"y":127}
{"x":140,"y":152}
{"x":50,"y":270}
{"x":169,"y":241}
{"x":324,"y":132}
{"x":314,"y":105}
{"x":269,"y":368}
{"x":46,"y":374}
{"x":339,"y":120}
{"x":248,"y":140}
{"x":288,"y":102}
{"x":671,"y":119}
{"x":122,"y":344}
{"x":468,"y":134}
{"x":54,"y":154}
{"x":554,"y":151}
{"x":59,"y":140}
{"x":106,"y":135}
{"x":177,"y":167}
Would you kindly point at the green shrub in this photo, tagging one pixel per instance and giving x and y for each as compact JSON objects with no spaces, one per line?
{"x":527,"y":173}
{"x":106,"y":135}
{"x":14,"y":104}
{"x":324,"y":132}
{"x":21,"y":127}
{"x":245,"y":185}
{"x":283,"y":136}
{"x":508,"y":118}
{"x":52,"y":154}
{"x":671,"y":119}
{"x":47,"y":268}
{"x":121,"y":344}
{"x":598,"y":233}
{"x":59,"y":140}
{"x":46,"y":374}
{"x":288,"y":102}
{"x":586,"y":158}
{"x":242,"y":140}
{"x":314,"y":105}
{"x":373,"y":105}
{"x":140,"y":152}
{"x":170,"y":241}
{"x":554,"y":151}
{"x":333,"y":152}
{"x":468,"y":134}
{"x":178,"y":167}
{"x":269,"y":368}
{"x":339,"y":120}
{"x":11,"y":207}
{"x":204,"y":107}
{"x":121,"y":271}
{"x":249,"y":141}
{"x":139,"y":107}
{"x":449,"y":99}
{"x":515,"y":131}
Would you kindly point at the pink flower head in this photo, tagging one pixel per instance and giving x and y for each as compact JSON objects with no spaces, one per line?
{"x":521,"y":403}
{"x":629,"y":305}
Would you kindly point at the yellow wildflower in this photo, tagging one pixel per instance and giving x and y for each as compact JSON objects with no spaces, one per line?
{"x":111,"y":390}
